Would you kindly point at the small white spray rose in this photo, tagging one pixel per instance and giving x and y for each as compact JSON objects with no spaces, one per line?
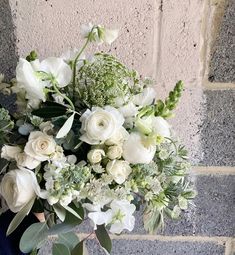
{"x":27,"y":79}
{"x":95,"y":155}
{"x":146,"y":97}
{"x":10,"y":152}
{"x":136,"y":152}
{"x":18,"y":187}
{"x":40,"y":146}
{"x":119,"y":170}
{"x":98,"y":125}
{"x":161,"y":127}
{"x":24,"y":160}
{"x":59,"y":69}
{"x":114,"y":152}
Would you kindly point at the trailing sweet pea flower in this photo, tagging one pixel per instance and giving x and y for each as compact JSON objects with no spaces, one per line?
{"x":28,"y":80}
{"x":98,"y":125}
{"x":135,"y":151}
{"x":58,"y":69}
{"x":146,"y":97}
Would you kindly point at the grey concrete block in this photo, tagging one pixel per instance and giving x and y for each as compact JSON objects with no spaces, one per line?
{"x":146,"y":247}
{"x":217,"y":130}
{"x":212,"y":215}
{"x":222,"y":66}
{"x":8,"y":55}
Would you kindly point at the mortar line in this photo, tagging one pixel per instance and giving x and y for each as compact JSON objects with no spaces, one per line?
{"x":228,"y":247}
{"x":217,"y":239}
{"x":206,"y":170}
{"x":217,"y":85}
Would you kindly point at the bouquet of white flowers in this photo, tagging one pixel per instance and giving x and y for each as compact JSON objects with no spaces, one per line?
{"x":85,"y":139}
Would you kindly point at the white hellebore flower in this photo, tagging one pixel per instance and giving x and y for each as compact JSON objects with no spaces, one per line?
{"x":136,"y":152}
{"x":18,"y":187}
{"x":161,"y":127}
{"x":58,"y":69}
{"x":99,"y":124}
{"x":40,"y":146}
{"x":119,"y":170}
{"x":27,"y":79}
{"x":146,"y":97}
{"x":114,"y":152}
{"x":121,"y":216}
{"x":10,"y":152}
{"x":95,"y":155}
{"x":24,"y":160}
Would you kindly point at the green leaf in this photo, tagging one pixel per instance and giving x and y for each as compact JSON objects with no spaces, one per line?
{"x":60,"y":249}
{"x":66,"y":127}
{"x":153,"y":219}
{"x":72,"y":211}
{"x":20,"y":216}
{"x":50,"y":111}
{"x":103,"y":238}
{"x":78,"y":249}
{"x":34,"y":237}
{"x":60,"y":211}
{"x":70,"y":239}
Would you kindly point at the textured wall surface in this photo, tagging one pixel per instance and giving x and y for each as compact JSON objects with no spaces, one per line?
{"x":168,"y":40}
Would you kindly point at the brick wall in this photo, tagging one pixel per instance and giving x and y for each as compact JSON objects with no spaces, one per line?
{"x":169,"y":40}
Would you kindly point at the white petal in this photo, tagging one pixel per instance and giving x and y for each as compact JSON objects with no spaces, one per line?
{"x":66,"y":127}
{"x":110,"y":35}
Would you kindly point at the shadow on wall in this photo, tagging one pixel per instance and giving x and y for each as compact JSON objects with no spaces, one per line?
{"x":8,"y":52}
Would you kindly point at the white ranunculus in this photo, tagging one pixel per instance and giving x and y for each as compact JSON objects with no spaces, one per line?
{"x":10,"y":152}
{"x":99,"y":124}
{"x":136,"y":152}
{"x":121,"y":216}
{"x":95,"y":155}
{"x":18,"y":187}
{"x":118,"y":137}
{"x":128,"y":110}
{"x":114,"y":152}
{"x":146,"y":97}
{"x":161,"y":127}
{"x":24,"y":160}
{"x":59,"y":69}
{"x":119,"y":170}
{"x":27,"y":79}
{"x":40,"y":146}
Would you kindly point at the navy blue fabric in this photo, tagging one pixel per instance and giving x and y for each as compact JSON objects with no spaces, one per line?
{"x":10,"y":245}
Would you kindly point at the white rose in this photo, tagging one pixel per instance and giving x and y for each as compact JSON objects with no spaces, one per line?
{"x":26,"y":78}
{"x":118,"y":137}
{"x":40,"y":146}
{"x":119,"y":170}
{"x":59,"y":69}
{"x":146,"y":97}
{"x":46,"y":127}
{"x":18,"y":187}
{"x":136,"y":152}
{"x":10,"y":152}
{"x":95,"y":155}
{"x":128,"y":110}
{"x":161,"y":127}
{"x":114,"y":152}
{"x":100,"y":124}
{"x":24,"y":160}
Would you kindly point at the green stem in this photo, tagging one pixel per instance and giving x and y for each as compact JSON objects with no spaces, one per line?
{"x":54,"y":83}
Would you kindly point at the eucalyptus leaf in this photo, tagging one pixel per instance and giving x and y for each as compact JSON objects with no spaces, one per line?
{"x":72,"y":211}
{"x":60,"y":249}
{"x":34,"y":237}
{"x":69,"y":239}
{"x":66,"y":127}
{"x":60,"y":211}
{"x":20,"y":216}
{"x":78,"y":249}
{"x":103,"y":238}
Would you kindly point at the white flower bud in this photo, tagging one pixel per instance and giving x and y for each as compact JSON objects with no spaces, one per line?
{"x":114,"y":152}
{"x":95,"y":155}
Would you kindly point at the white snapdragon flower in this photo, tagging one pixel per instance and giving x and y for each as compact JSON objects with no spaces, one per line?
{"x":146,"y":97}
{"x":27,"y":79}
{"x":136,"y":152}
{"x":18,"y":187}
{"x":58,"y":69}
{"x":10,"y":152}
{"x":40,"y":146}
{"x":119,"y":170}
{"x":95,"y":155}
{"x":99,"y":124}
{"x":128,"y":110}
{"x":114,"y":152}
{"x":161,"y":127}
